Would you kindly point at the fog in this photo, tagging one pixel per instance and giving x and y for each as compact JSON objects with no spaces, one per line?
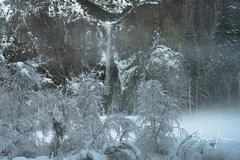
{"x":224,"y":124}
{"x":222,"y":127}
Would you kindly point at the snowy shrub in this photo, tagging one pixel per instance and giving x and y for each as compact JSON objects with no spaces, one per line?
{"x":120,"y":128}
{"x":164,"y":65}
{"x":54,"y":108}
{"x":90,"y":155}
{"x":158,"y":113}
{"x":68,"y":118}
{"x":195,"y":148}
{"x":122,"y":151}
{"x":18,"y":118}
{"x":191,"y":147}
{"x":88,"y":93}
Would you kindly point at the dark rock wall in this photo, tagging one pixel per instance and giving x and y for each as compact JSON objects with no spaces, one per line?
{"x":172,"y":18}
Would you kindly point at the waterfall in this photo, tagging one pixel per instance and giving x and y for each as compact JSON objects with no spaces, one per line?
{"x":1,"y":56}
{"x":108,"y":28}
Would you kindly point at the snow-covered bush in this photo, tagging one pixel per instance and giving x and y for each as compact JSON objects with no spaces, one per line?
{"x":54,"y":108}
{"x":90,"y":155}
{"x":193,"y":147}
{"x":18,"y":119}
{"x":158,"y":113}
{"x":88,"y":93}
{"x":165,"y":65}
{"x":14,"y":143}
{"x":72,"y":115}
{"x":120,"y":128}
{"x":63,"y":121}
{"x":122,"y":151}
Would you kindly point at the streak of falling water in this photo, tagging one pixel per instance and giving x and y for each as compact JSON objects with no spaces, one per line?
{"x":108,"y":28}
{"x":1,"y":56}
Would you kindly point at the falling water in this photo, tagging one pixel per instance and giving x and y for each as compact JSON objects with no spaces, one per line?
{"x":108,"y":27}
{"x":1,"y":56}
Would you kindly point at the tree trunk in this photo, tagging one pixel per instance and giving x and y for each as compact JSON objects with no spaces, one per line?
{"x":238,"y":91}
{"x":228,"y":89}
{"x":196,"y":98}
{"x":189,"y":90}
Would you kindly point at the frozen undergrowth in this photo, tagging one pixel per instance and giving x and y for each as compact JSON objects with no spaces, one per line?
{"x":227,"y":147}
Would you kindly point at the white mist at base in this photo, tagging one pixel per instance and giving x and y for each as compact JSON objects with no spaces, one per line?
{"x":108,"y":27}
{"x":209,"y":124}
{"x":220,"y":126}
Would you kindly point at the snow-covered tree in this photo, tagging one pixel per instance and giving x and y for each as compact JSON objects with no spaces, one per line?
{"x":120,"y":128}
{"x":165,"y":65}
{"x":89,"y":93}
{"x":71,"y":115}
{"x":158,"y":113}
{"x":17,"y":114}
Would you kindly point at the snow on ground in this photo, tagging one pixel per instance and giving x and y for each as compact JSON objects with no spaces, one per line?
{"x":38,"y":158}
{"x":223,"y":127}
{"x":85,"y":154}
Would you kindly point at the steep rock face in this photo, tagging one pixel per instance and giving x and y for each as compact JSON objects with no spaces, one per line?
{"x":70,"y":38}
{"x":66,"y":44}
{"x":75,"y":45}
{"x":172,"y":18}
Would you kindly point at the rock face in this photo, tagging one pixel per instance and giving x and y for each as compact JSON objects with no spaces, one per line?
{"x":64,"y":38}
{"x":170,"y":17}
{"x":69,"y":37}
{"x":67,"y":42}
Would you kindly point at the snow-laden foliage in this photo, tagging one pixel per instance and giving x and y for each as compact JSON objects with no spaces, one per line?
{"x":126,"y":151}
{"x":57,"y":121}
{"x":88,"y":94}
{"x":163,"y":56}
{"x":158,"y":113}
{"x":72,"y":116}
{"x":193,"y":147}
{"x":120,"y":128}
{"x":165,"y":66}
{"x":90,"y":154}
{"x":18,"y":83}
{"x":158,"y":63}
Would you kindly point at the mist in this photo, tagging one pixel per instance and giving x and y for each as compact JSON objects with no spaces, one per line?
{"x":220,"y":126}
